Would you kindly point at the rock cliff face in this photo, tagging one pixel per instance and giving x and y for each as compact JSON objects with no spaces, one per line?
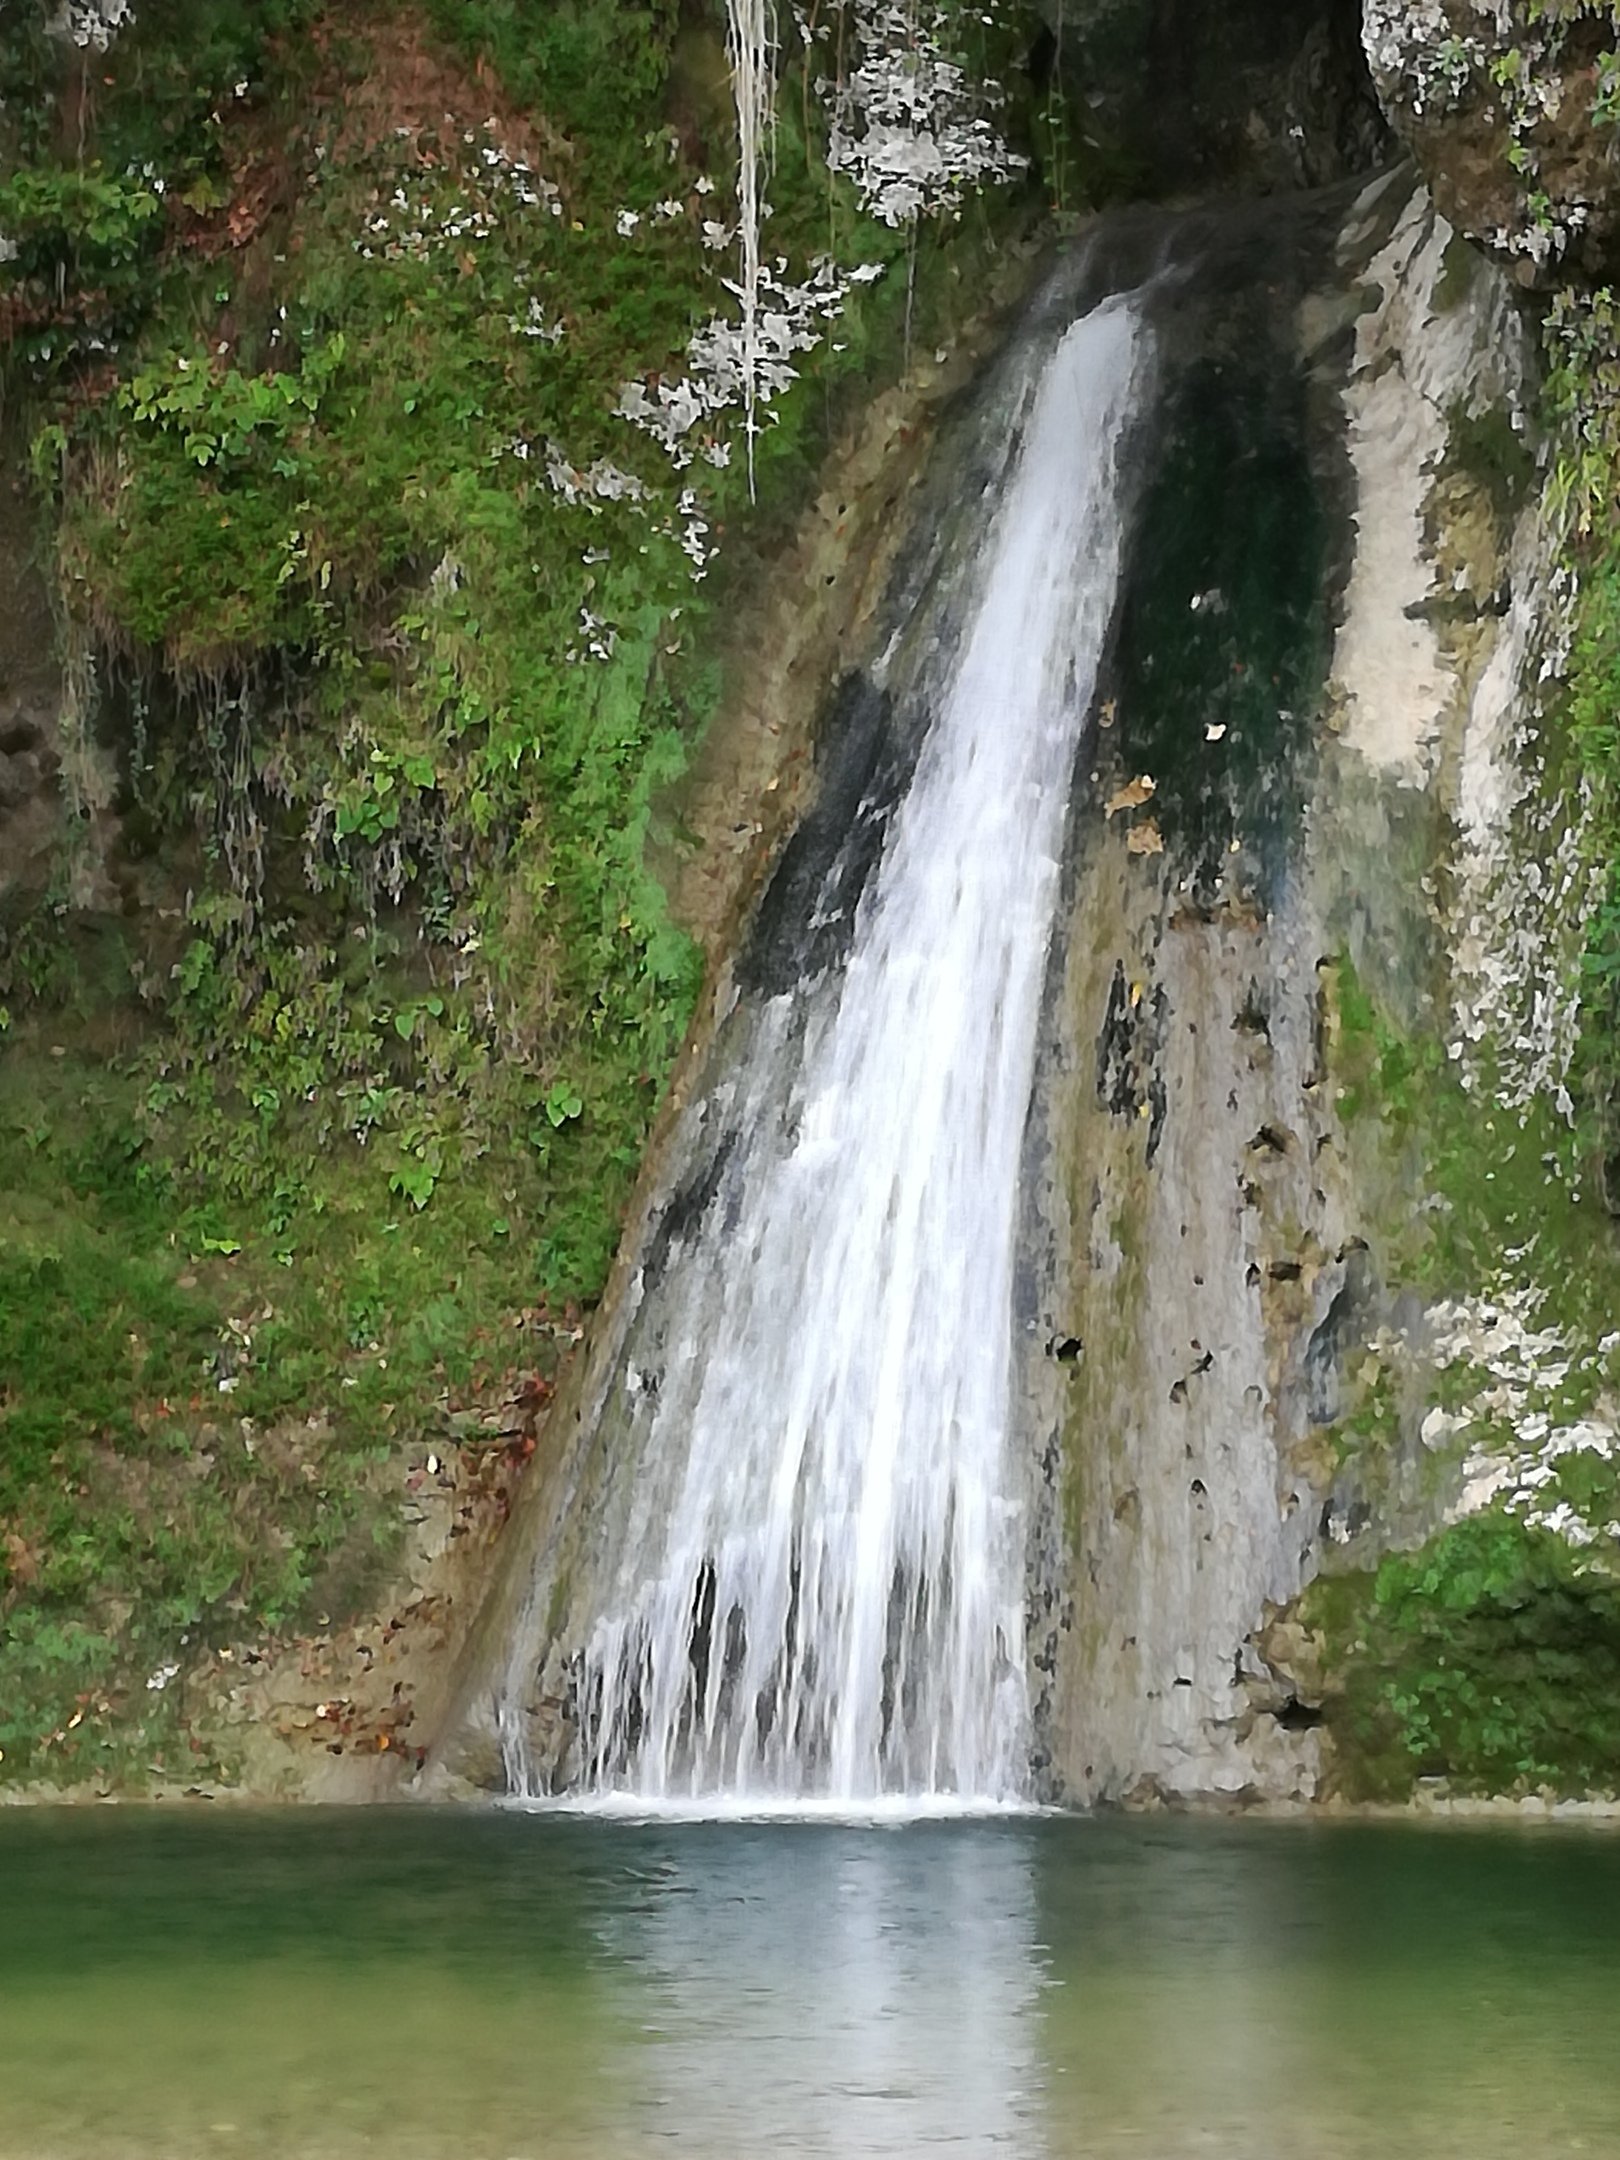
{"x":30,"y":691}
{"x":1510,"y":110}
{"x":1216,"y":1231}
{"x":1318,"y":1393}
{"x":1248,"y":95}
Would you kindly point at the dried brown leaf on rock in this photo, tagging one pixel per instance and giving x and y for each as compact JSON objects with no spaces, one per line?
{"x":1132,"y":795}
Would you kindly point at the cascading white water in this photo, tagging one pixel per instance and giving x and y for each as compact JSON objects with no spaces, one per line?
{"x":818,"y":1591}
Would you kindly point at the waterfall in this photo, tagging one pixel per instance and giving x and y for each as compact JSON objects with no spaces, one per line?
{"x":817,"y":1589}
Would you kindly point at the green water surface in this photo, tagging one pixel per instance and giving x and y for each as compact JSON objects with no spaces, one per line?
{"x":461,"y":1985}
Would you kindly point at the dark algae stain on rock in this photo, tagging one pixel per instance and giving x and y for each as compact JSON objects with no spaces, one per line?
{"x":806,"y":918}
{"x":1226,"y":627}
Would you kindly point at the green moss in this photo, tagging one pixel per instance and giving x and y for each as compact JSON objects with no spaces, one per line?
{"x":132,"y":1504}
{"x":1488,"y":1657}
{"x":1493,"y":453}
{"x":1491,"y":1179}
{"x":384,"y":1024}
{"x":1371,"y":1431}
{"x":1491,"y":1659}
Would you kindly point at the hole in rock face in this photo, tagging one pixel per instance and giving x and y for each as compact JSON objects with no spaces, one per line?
{"x":1041,"y":65}
{"x":1297,"y":1716}
{"x":1254,"y":1014}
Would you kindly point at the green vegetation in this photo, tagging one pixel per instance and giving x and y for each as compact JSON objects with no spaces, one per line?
{"x":160,"y":1486}
{"x":1490,"y":1659}
{"x":1490,"y":1656}
{"x":1490,"y":1179}
{"x":395,"y":637}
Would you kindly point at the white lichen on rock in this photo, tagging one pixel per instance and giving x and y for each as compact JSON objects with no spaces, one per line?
{"x":1417,"y":39}
{"x":1427,"y":705}
{"x":91,"y":24}
{"x":909,"y":126}
{"x":730,"y":368}
{"x":1517,"y":1440}
{"x":1474,"y":84}
{"x":1524,"y":880}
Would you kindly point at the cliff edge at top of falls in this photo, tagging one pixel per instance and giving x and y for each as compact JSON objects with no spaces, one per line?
{"x":1175,"y":97}
{"x":1510,"y":110}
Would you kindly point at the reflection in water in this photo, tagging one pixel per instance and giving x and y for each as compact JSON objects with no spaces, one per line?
{"x":824,"y":1991}
{"x":438,"y":1986}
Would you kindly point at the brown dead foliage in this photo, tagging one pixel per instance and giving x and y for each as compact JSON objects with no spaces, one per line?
{"x":387,"y":84}
{"x":412,"y":90}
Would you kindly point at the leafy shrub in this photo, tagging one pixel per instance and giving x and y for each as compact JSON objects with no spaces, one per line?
{"x":1490,"y":1658}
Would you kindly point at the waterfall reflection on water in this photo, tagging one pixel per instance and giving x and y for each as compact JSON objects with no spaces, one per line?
{"x":913,"y":1960}
{"x":468,"y":1985}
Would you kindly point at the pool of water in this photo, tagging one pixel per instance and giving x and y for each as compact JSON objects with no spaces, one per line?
{"x":450,"y":1986}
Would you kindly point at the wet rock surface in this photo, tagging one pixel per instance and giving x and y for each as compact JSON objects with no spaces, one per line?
{"x":1251,"y":95}
{"x":1201,"y":1216}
